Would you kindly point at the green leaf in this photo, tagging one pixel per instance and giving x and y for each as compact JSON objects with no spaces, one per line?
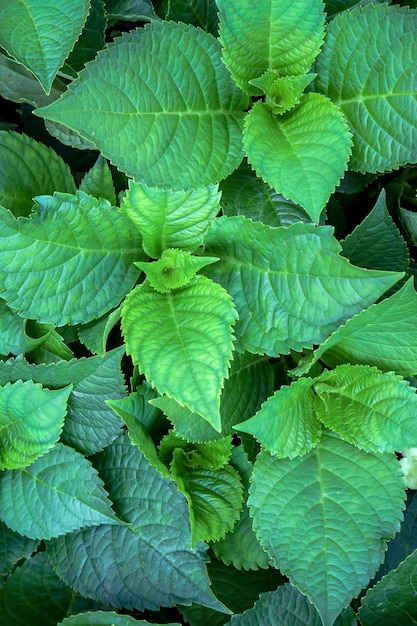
{"x":130,"y":10}
{"x":367,"y":68}
{"x":290,"y":286}
{"x":284,"y":92}
{"x":277,"y":35}
{"x":58,"y":493}
{"x":146,"y":560}
{"x":337,"y":6}
{"x":384,"y":335}
{"x":20,"y":85}
{"x":209,"y":455}
{"x":189,"y":327}
{"x":137,"y":407}
{"x":373,"y":410}
{"x":29,"y":168}
{"x":105,"y":618}
{"x":91,"y":40}
{"x":409,"y":220}
{"x":201,"y":13}
{"x":142,"y":125}
{"x":286,"y":425}
{"x":85,"y":243}
{"x":95,"y":334}
{"x":174,"y":269}
{"x":31,"y":421}
{"x":41,"y":35}
{"x":98,"y":181}
{"x":170,"y":219}
{"x":13,"y":547}
{"x":392,"y":602}
{"x":302,"y":154}
{"x":318,"y":515}
{"x":14,"y":336}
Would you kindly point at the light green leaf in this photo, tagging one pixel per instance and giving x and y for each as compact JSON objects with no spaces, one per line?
{"x":384,"y":335}
{"x":95,"y":334}
{"x":367,"y":68}
{"x":81,"y":244}
{"x":286,"y":425}
{"x":58,"y":493}
{"x":13,"y":547}
{"x":31,"y":421}
{"x":188,"y":424}
{"x":208,"y":455}
{"x":277,"y":35}
{"x":105,"y":618}
{"x":41,"y":35}
{"x":302,"y":154}
{"x":170,"y":219}
{"x":325,"y":518}
{"x":98,"y":181}
{"x":141,"y":125}
{"x":373,"y":410}
{"x":14,"y":335}
{"x":146,"y":560}
{"x":29,"y":168}
{"x":290,"y":286}
{"x":137,"y":407}
{"x":392,"y":602}
{"x":182,"y":341}
{"x":284,"y":92}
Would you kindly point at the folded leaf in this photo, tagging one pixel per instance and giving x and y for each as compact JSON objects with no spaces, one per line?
{"x":182,"y":341}
{"x":58,"y":493}
{"x":302,"y":154}
{"x":14,"y":337}
{"x":142,"y":124}
{"x":290,"y":286}
{"x":78,"y":242}
{"x":367,"y":68}
{"x":325,"y":518}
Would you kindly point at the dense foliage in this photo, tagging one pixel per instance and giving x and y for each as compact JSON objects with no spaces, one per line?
{"x":208,"y":313}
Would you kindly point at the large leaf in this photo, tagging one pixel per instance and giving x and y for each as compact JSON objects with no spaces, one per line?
{"x":325,"y":518}
{"x":277,"y":35}
{"x":367,"y":68}
{"x":146,"y":560}
{"x":143,"y":124}
{"x":290,"y":286}
{"x":170,"y":219}
{"x":40,"y":35}
{"x":81,"y":244}
{"x":182,"y":341}
{"x":302,"y":154}
{"x":31,"y":421}
{"x":58,"y":493}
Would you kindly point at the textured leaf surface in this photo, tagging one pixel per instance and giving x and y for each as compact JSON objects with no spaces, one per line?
{"x":27,"y":169}
{"x":142,"y":125}
{"x":302,"y":154}
{"x":19,"y":84}
{"x":287,"y":424}
{"x":328,"y":561}
{"x":182,"y":341}
{"x":31,"y":421}
{"x":146,"y":560}
{"x":58,"y":493}
{"x":70,"y":262}
{"x":367,"y":68}
{"x":170,"y":219}
{"x":104,"y":618}
{"x":289,"y":285}
{"x":41,"y":35}
{"x":174,"y":269}
{"x":130,"y":10}
{"x":13,"y":547}
{"x":90,"y":41}
{"x":95,"y":334}
{"x":14,"y":336}
{"x":98,"y":181}
{"x":277,"y":35}
{"x":201,"y":13}
{"x":384,"y":335}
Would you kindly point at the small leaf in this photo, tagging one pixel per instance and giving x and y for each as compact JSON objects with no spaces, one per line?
{"x":282,"y":92}
{"x":141,"y":125}
{"x":182,"y":341}
{"x":98,"y":181}
{"x":31,"y":421}
{"x":302,"y":154}
{"x":298,"y":505}
{"x":41,"y":35}
{"x":170,"y":219}
{"x":58,"y":493}
{"x":83,"y":243}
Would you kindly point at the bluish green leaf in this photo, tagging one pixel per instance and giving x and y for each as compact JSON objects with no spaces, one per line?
{"x":90,"y":41}
{"x":14,"y":335}
{"x":409,"y":220}
{"x":201,"y":13}
{"x":13,"y":548}
{"x":130,"y":10}
{"x":20,"y":85}
{"x":105,"y":618}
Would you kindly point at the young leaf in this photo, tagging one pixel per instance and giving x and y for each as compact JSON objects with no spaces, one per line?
{"x":182,"y":341}
{"x":373,"y":410}
{"x":98,"y":181}
{"x":141,"y":125}
{"x":170,"y":219}
{"x":367,"y":68}
{"x":146,"y":560}
{"x":277,"y":35}
{"x":302,"y":154}
{"x":290,"y":286}
{"x":298,"y":505}
{"x":58,"y":493}
{"x":31,"y":421}
{"x":83,"y":243}
{"x":287,"y":424}
{"x":41,"y":35}
{"x":29,"y":168}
